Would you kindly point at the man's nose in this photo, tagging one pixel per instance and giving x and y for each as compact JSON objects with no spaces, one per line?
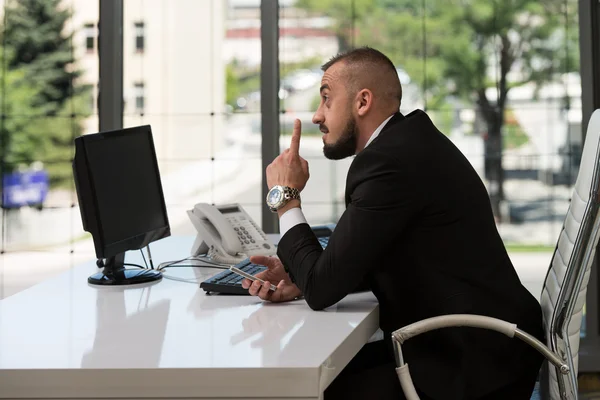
{"x":317,"y":117}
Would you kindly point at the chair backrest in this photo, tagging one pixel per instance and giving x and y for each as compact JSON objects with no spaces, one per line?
{"x":565,"y":286}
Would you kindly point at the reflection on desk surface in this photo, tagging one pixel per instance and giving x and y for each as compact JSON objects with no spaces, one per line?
{"x":286,"y":338}
{"x":64,"y":323}
{"x":139,"y":336}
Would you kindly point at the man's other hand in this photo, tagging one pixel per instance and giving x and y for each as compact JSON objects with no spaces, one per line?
{"x":275,"y":273}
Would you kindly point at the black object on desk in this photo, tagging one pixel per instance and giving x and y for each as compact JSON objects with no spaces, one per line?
{"x":227,"y":282}
{"x":121,"y":200}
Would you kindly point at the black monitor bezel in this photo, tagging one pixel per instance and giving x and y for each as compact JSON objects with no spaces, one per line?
{"x":88,"y":203}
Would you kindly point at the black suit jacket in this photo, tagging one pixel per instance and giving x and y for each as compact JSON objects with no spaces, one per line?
{"x":419,"y":229}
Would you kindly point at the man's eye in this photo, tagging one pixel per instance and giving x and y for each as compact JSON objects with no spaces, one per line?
{"x":325,"y":98}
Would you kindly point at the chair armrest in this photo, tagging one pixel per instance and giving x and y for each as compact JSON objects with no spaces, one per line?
{"x":477,"y":321}
{"x":455,"y":320}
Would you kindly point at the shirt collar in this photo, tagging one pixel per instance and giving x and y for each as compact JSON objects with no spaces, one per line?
{"x":378,"y":130}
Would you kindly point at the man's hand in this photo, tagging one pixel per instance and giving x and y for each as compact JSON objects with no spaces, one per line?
{"x":275,"y":273}
{"x":289,"y":169}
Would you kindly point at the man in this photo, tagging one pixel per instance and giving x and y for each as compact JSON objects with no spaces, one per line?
{"x":418,"y":229}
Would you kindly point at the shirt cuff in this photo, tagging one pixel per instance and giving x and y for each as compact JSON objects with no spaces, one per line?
{"x":291,"y":218}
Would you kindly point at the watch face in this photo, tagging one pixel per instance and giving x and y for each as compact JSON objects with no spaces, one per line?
{"x":275,"y":196}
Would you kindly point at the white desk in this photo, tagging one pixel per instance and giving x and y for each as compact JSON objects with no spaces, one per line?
{"x":65,"y":339}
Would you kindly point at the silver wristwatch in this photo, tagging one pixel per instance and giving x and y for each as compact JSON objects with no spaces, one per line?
{"x":279,"y":196}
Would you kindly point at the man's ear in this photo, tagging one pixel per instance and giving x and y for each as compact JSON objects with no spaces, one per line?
{"x":364,"y":101}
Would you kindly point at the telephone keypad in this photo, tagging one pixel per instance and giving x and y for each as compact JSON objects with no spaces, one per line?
{"x":248,"y":233}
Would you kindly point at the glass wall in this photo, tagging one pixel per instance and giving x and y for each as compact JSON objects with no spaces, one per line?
{"x":177,"y":75}
{"x":501,"y":82}
{"x":306,"y":40}
{"x":191,"y":70}
{"x":48,"y":90}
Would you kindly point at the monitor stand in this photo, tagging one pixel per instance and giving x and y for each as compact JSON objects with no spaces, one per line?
{"x":114,"y":273}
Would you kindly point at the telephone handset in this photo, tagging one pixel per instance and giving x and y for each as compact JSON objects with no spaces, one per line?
{"x":227,"y":233}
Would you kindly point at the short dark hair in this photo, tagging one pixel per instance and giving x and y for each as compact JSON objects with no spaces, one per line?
{"x":358,"y":55}
{"x":363,"y":56}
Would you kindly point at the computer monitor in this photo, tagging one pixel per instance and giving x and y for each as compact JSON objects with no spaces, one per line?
{"x":121,"y":199}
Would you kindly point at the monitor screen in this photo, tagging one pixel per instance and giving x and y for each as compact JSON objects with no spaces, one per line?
{"x":120,"y":190}
{"x":127,"y":189}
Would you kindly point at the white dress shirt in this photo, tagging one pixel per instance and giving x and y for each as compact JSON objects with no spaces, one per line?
{"x":295,"y":216}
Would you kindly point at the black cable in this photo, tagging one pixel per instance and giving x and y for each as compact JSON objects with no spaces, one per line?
{"x":149,"y":255}
{"x":100,"y":264}
{"x":193,"y":266}
{"x":172,"y":263}
{"x":144,"y":257}
{"x":135,"y":265}
{"x":208,"y":263}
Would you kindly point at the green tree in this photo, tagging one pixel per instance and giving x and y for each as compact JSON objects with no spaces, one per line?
{"x":232,"y":87}
{"x":29,"y":134}
{"x":43,"y":103}
{"x":346,"y":14}
{"x":465,"y":47}
{"x":16,"y":99}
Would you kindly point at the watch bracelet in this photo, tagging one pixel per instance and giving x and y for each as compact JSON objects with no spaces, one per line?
{"x":291,"y":193}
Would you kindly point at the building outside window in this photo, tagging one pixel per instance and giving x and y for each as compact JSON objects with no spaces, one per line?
{"x":90,"y":37}
{"x":140,"y":98}
{"x":139,"y":37}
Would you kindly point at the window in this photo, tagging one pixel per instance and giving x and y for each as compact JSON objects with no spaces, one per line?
{"x":90,"y":35}
{"x":138,"y":93}
{"x":139,"y":37}
{"x":95,"y":98}
{"x":42,"y":111}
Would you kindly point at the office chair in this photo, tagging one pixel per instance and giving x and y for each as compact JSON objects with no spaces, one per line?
{"x":564,"y":291}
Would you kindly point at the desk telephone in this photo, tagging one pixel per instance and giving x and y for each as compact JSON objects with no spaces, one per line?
{"x":227,"y":234}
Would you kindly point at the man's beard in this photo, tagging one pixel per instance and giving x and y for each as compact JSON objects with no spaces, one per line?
{"x":345,"y":146}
